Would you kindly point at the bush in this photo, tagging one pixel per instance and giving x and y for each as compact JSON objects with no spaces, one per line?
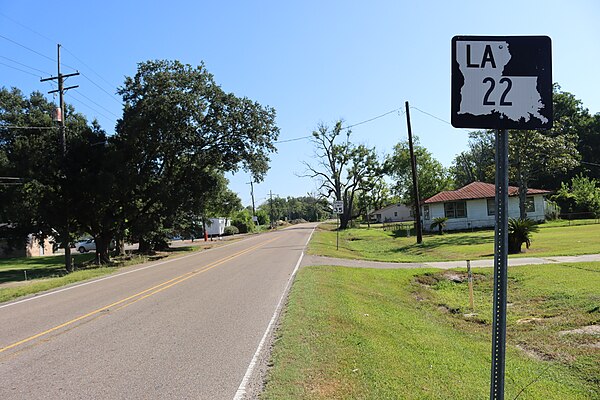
{"x":519,"y":231}
{"x":230,"y":230}
{"x":243,"y":221}
{"x":298,"y":221}
{"x":440,"y":223}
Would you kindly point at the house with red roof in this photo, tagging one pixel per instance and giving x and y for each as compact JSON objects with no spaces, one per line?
{"x":474,"y":206}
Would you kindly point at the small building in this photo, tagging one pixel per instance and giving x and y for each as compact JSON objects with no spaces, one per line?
{"x":474,"y":206}
{"x":216,"y":226}
{"x":32,"y":248}
{"x":393,"y":213}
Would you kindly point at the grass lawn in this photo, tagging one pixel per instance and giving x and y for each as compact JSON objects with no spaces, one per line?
{"x":401,"y":334}
{"x":553,"y":239}
{"x":48,"y":272}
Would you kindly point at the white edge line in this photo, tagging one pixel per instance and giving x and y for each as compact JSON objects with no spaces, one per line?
{"x":35,"y":297}
{"x":241,"y":391}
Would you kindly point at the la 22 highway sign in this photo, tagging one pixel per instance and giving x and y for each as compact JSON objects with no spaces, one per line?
{"x":501,"y":82}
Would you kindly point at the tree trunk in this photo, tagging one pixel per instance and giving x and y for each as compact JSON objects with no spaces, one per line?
{"x":144,"y":246}
{"x":68,"y":263}
{"x":120,"y":246}
{"x":514,"y":245}
{"x":522,"y":198}
{"x":102,"y":249}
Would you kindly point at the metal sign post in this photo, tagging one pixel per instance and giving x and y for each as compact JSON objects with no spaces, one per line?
{"x":500,"y":267}
{"x":501,"y":82}
{"x":338,"y":208}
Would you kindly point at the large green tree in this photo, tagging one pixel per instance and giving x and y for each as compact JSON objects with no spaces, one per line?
{"x":178,"y":126}
{"x":431,"y":174}
{"x":343,"y":169}
{"x":30,"y":149}
{"x":477,"y":162}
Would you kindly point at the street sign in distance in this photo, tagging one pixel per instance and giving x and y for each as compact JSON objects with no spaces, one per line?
{"x":502,"y":82}
{"x":338,"y":207}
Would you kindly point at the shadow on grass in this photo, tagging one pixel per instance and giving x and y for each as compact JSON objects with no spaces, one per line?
{"x":13,"y":269}
{"x":17,"y":275}
{"x":431,"y":242}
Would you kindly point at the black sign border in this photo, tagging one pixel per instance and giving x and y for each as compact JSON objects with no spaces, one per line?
{"x":539,"y":50}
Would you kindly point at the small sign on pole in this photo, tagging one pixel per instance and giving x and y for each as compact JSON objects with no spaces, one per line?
{"x":501,"y":82}
{"x":338,"y":207}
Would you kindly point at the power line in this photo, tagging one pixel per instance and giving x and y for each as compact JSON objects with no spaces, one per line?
{"x":293,"y":140}
{"x":589,"y":163}
{"x":26,"y":27}
{"x":54,"y":41}
{"x":438,"y":118}
{"x":372,"y":119}
{"x":90,"y":107}
{"x":345,"y":127}
{"x":26,"y":127}
{"x":19,"y":69}
{"x":102,"y":107}
{"x":25,"y":65}
{"x":36,"y":52}
{"x":101,"y":88}
{"x":90,"y":68}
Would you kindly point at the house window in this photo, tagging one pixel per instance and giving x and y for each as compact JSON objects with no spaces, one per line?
{"x":455,"y":209}
{"x":426,"y":212}
{"x":395,"y":213}
{"x":529,"y":204}
{"x":491,"y":206}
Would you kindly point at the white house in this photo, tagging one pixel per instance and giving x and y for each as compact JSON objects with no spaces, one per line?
{"x":474,"y":206}
{"x":393,"y":213}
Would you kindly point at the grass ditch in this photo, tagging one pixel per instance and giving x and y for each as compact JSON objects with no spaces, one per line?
{"x":375,"y":244}
{"x":353,"y":333}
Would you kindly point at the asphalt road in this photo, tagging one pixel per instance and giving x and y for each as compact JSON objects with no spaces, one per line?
{"x":187,"y":328}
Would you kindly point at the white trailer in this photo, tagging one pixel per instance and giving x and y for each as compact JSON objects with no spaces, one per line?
{"x":216,"y":226}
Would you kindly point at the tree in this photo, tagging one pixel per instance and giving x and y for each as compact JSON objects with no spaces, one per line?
{"x":374,"y":197}
{"x":532,"y":153}
{"x":343,"y":169}
{"x":31,"y":149}
{"x":477,"y":162}
{"x":432,"y":176}
{"x":179,"y":126}
{"x":581,"y":196}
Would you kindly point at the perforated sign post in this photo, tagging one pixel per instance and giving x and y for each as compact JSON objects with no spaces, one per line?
{"x":338,"y":208}
{"x":501,"y":82}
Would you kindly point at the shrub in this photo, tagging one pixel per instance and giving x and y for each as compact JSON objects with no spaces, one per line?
{"x":519,"y":231}
{"x":440,"y":223}
{"x":230,"y":230}
{"x":243,"y":221}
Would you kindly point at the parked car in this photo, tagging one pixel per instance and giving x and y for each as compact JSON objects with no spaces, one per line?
{"x":83,"y":246}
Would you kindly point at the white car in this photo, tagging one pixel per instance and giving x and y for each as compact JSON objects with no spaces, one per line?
{"x":84,"y":246}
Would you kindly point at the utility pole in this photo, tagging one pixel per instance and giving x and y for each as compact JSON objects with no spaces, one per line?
{"x":271,"y":206}
{"x":61,"y":90}
{"x":252,"y":194}
{"x":413,"y":163}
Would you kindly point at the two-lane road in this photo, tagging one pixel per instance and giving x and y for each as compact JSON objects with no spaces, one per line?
{"x":186,"y":328}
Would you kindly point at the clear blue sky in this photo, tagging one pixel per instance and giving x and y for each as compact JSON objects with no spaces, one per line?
{"x":313,"y":61}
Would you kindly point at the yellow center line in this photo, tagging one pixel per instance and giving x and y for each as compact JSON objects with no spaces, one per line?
{"x":141,"y":295}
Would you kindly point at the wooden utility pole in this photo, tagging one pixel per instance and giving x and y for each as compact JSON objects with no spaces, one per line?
{"x":413,"y":163}
{"x":252,"y":195}
{"x":271,"y":206}
{"x":61,"y":90}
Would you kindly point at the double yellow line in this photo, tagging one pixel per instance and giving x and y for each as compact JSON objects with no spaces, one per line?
{"x":140,"y":295}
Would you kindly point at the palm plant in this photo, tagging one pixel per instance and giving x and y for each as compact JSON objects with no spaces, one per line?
{"x":519,"y":231}
{"x":440,"y":223}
